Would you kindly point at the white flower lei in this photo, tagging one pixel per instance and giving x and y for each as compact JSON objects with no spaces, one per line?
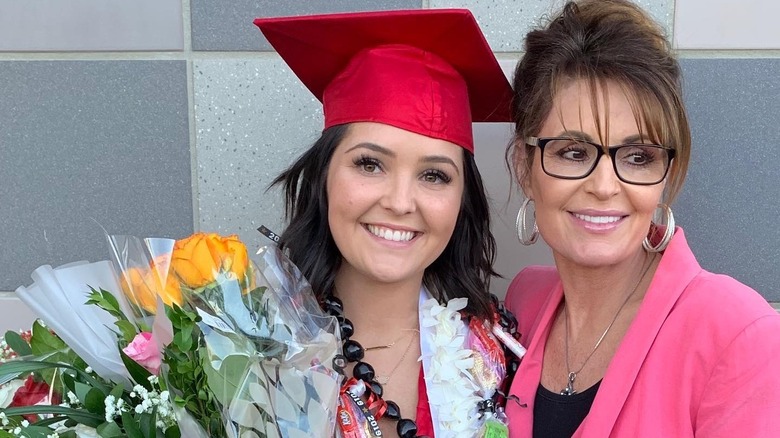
{"x":452,"y":392}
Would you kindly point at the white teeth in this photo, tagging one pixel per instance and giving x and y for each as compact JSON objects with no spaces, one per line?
{"x":597,"y":219}
{"x":393,"y":235}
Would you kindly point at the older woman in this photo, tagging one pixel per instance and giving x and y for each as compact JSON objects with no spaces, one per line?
{"x":627,"y":334}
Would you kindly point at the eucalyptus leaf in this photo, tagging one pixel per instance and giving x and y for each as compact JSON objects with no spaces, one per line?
{"x":17,"y":343}
{"x":226,"y":381}
{"x":292,"y":384}
{"x":95,"y":402}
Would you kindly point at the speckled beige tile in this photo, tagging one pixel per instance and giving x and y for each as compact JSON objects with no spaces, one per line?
{"x":253,"y":117}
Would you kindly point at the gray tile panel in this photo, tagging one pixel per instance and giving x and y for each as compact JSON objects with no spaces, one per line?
{"x":731,"y":200}
{"x":252,"y":118}
{"x":85,"y":144}
{"x":91,"y":25}
{"x":216,"y":26}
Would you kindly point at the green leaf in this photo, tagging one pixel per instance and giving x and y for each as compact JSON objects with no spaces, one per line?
{"x":148,"y":424}
{"x":131,"y":426}
{"x":106,"y":301}
{"x":81,"y":390}
{"x":69,"y":381}
{"x":78,"y":415}
{"x":95,"y":402}
{"x":173,"y":432}
{"x":127,"y":330}
{"x":43,"y":341}
{"x":182,"y":342}
{"x":109,"y":430}
{"x":17,"y":343}
{"x":225,"y":382}
{"x":18,"y":367}
{"x":118,"y":391}
{"x":139,"y":374}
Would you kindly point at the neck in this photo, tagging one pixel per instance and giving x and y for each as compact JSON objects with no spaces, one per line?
{"x":593,"y":294}
{"x":378,"y":307}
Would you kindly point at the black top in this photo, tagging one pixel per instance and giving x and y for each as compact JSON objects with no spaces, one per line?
{"x":559,"y":416}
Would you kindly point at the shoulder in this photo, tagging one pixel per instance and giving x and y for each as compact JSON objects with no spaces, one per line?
{"x":723,"y":301}
{"x":530,"y":289}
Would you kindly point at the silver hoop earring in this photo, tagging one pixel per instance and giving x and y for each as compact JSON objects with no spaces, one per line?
{"x":520,"y":223}
{"x":655,"y":228}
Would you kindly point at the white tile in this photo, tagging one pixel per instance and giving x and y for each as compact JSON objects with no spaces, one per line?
{"x":505,"y":22}
{"x":727,"y":24}
{"x":80,"y":25}
{"x":14,"y":314}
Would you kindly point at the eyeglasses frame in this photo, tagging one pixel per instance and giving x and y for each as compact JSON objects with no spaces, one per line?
{"x":541,"y":142}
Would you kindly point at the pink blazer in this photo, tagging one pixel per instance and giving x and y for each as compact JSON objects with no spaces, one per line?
{"x":701,"y":358}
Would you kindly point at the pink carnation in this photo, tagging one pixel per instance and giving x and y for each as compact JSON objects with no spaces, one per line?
{"x":144,"y":350}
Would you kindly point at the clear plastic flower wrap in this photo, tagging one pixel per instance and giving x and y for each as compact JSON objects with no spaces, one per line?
{"x":246,"y":348}
{"x":270,"y":345}
{"x":222,"y":347}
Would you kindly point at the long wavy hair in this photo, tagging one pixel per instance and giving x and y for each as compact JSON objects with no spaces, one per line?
{"x":463,"y":269}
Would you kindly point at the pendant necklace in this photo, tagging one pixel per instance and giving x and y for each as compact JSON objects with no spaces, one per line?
{"x":572,"y":375}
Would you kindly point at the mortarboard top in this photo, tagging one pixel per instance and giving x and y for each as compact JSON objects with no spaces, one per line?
{"x":429,"y":71}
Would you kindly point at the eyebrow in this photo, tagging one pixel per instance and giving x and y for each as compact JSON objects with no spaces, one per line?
{"x":631,"y":139}
{"x":374,"y":147}
{"x":440,"y":159}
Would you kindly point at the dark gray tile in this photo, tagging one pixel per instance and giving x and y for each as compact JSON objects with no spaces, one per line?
{"x":730,"y":204}
{"x":91,"y":25}
{"x":217,"y":27}
{"x":85,"y":144}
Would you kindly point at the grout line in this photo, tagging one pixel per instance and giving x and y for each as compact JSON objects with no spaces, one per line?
{"x":192,"y":120}
{"x":132,"y":56}
{"x":730,"y":54}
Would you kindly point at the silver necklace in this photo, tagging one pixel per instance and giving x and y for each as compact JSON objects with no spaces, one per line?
{"x":572,"y":375}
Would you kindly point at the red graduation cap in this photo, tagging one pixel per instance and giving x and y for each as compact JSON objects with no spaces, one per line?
{"x":428,"y":71}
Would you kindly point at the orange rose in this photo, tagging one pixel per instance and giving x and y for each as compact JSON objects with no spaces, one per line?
{"x":143,"y":285}
{"x":200,"y":258}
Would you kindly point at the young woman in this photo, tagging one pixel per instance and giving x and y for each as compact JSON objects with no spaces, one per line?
{"x":627,"y":335}
{"x":388,"y":218}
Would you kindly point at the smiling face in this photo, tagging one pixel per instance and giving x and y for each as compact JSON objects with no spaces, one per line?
{"x":393,"y":201}
{"x":598,"y":220}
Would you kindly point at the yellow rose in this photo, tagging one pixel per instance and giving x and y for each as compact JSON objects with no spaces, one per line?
{"x":200,"y":258}
{"x":143,"y":285}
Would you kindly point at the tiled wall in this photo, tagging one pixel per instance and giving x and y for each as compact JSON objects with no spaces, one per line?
{"x":160,"y":117}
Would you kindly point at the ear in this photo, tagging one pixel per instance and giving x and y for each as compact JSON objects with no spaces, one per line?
{"x":522,"y":164}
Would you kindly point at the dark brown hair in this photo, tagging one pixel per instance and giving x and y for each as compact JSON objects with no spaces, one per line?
{"x":600,"y":42}
{"x":464,"y":268}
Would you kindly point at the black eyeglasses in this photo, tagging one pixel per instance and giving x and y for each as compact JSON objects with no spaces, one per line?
{"x":571,"y":158}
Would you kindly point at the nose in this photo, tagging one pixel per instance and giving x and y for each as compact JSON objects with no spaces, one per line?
{"x":399,"y":195}
{"x":603,"y":182}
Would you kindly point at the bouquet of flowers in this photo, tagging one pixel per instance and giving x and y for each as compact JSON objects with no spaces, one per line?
{"x":174,"y":338}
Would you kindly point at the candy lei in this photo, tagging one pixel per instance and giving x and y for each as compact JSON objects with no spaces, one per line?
{"x":462,"y":379}
{"x":448,"y":363}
